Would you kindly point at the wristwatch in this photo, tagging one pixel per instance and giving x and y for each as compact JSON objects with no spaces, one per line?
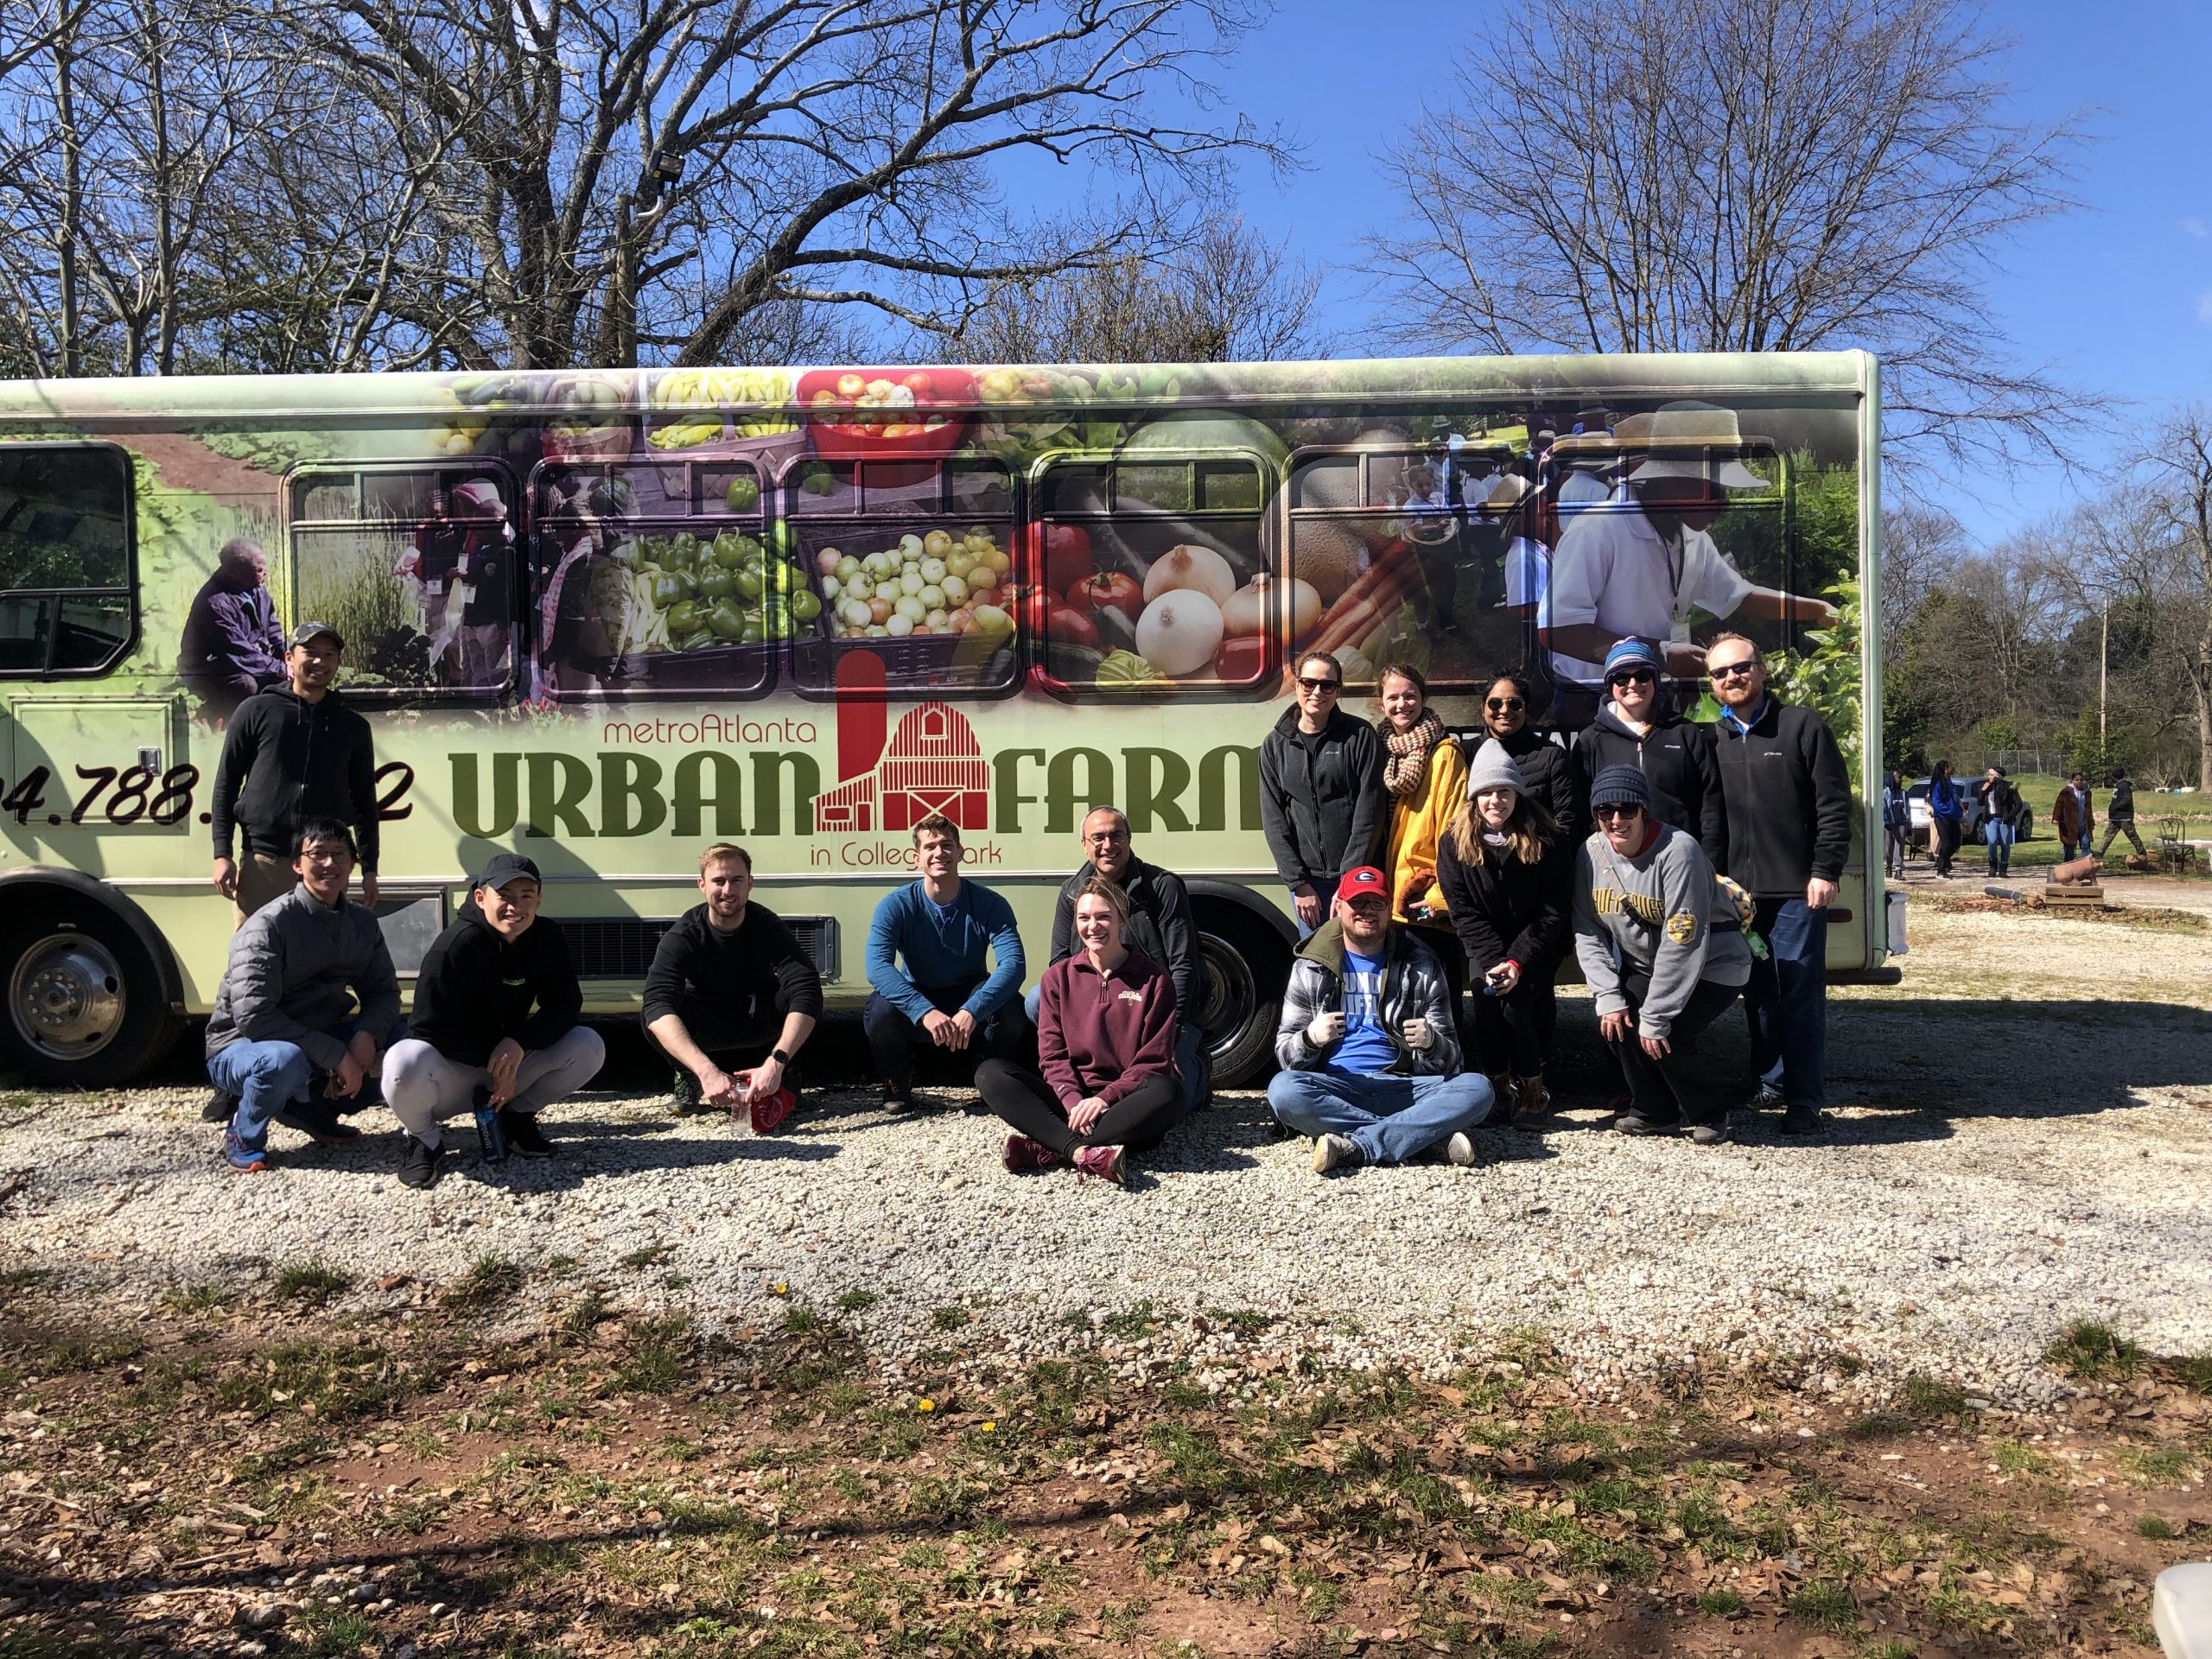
{"x":780,"y":1058}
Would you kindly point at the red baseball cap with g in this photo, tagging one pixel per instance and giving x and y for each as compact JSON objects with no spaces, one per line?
{"x":1365,"y":879}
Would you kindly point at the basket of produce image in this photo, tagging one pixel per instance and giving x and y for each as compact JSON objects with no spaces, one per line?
{"x":886,"y":414}
{"x":932,"y":604}
{"x":708,"y":611}
{"x":723,"y":410}
{"x":593,"y":422}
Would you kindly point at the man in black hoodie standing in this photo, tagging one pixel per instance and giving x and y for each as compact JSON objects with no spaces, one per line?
{"x":1321,"y":794}
{"x":1635,"y":727}
{"x":1787,"y":799}
{"x":293,"y":752}
{"x":496,"y":1013}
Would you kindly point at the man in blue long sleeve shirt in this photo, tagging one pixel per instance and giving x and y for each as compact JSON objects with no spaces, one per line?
{"x":926,"y":950}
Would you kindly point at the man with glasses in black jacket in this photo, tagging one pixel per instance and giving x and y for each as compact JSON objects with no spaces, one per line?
{"x":1321,"y":794}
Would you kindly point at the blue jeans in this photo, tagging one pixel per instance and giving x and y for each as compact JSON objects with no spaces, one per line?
{"x":1998,"y":836}
{"x":1786,"y":999}
{"x":1297,"y":921}
{"x":267,"y":1078}
{"x":1389,"y":1118}
{"x":1189,"y":1050}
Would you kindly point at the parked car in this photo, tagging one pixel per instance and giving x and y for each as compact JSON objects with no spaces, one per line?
{"x":1921,"y":833}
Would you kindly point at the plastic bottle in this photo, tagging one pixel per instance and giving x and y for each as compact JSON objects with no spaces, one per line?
{"x":491,"y":1138}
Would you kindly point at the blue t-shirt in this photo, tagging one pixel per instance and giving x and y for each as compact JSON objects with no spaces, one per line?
{"x":1366,"y":1049}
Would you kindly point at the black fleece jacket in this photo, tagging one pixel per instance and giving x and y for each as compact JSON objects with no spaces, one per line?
{"x":1550,"y":772}
{"x":476,"y":989}
{"x":1676,"y":759}
{"x":1787,"y":799}
{"x":1505,"y":910}
{"x":1324,"y":811}
{"x":285,"y":759}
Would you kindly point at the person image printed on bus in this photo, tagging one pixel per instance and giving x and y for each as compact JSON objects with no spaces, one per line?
{"x":1526,"y":560}
{"x":1659,"y":968}
{"x":456,"y":540}
{"x":1947,"y":804}
{"x":1997,"y":808}
{"x":1321,"y":792}
{"x":306,"y":1005}
{"x":498,"y":1022}
{"x":2119,"y":815}
{"x":944,"y":967}
{"x":1505,"y":866}
{"x":1642,"y":566}
{"x":2073,"y":815}
{"x":1159,"y":927}
{"x":1368,"y":1043}
{"x":1638,"y":726}
{"x":1897,"y":822}
{"x":732,"y":997}
{"x":1425,"y":771}
{"x":290,"y":753}
{"x":1106,"y":1083}
{"x":1788,"y":803}
{"x":483,"y":584}
{"x":232,"y":645}
{"x":1547,"y":768}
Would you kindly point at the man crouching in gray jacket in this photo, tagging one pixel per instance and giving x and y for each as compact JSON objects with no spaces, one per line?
{"x":310,"y":988}
{"x":1369,"y":1043}
{"x":1659,"y":969}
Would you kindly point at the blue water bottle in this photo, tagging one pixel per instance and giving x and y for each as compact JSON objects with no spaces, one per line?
{"x":491,"y":1138}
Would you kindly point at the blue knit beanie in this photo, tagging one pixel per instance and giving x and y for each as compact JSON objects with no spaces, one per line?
{"x":1632,"y":653}
{"x":1620,"y":785}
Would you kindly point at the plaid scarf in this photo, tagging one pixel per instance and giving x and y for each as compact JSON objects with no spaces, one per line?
{"x":1406,"y":770}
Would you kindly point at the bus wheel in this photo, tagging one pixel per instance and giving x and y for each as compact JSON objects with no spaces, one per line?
{"x":1241,"y":992}
{"x":84,"y":1005}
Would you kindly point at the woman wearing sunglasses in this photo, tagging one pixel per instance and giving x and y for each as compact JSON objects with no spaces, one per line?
{"x":1638,"y":726}
{"x":1546,"y":767}
{"x":1425,"y":772}
{"x":1505,"y":866}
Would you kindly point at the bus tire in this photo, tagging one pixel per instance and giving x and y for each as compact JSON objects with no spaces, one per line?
{"x":1243,"y":968}
{"x":85,"y":1002}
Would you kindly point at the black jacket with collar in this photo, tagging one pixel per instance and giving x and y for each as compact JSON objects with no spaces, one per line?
{"x":1787,"y":799}
{"x":1322,"y":813}
{"x":1159,"y":923}
{"x":285,"y":759}
{"x":475,"y":989}
{"x":1676,"y":759}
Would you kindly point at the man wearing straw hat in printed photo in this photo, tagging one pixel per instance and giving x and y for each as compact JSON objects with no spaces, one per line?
{"x":1642,"y":565}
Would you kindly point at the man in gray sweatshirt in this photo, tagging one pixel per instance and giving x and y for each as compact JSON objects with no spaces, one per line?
{"x":1664,"y":955}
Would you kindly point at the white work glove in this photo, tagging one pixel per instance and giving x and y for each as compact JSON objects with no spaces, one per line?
{"x":1326,"y":1029}
{"x":1420,"y":1033}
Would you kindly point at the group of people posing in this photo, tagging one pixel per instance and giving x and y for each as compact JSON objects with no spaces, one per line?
{"x":1436,"y":891}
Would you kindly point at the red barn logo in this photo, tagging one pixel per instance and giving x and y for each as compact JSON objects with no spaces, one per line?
{"x":933,"y":764}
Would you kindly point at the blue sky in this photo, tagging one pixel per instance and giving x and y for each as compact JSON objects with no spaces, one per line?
{"x":2120,"y":295}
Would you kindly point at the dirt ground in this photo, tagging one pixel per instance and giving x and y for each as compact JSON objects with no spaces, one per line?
{"x":260,"y":1474}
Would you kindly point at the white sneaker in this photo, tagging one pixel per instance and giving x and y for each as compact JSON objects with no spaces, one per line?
{"x":1332,"y":1150}
{"x":1460,"y":1150}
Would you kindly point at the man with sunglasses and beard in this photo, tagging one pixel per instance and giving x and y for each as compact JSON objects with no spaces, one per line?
{"x":1638,"y":726}
{"x":1786,"y":799}
{"x":1321,"y":794}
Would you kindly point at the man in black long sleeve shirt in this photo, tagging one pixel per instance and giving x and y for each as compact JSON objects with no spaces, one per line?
{"x":1321,"y":794}
{"x":1788,"y":808}
{"x":292,"y":754}
{"x":730,"y":991}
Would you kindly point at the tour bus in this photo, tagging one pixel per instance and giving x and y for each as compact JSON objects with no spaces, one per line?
{"x":603,"y":618}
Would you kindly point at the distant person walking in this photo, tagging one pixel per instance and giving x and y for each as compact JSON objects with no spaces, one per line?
{"x":2000,"y":807}
{"x":1897,"y":820}
{"x":2119,"y":815}
{"x":2075,"y":817}
{"x":1947,"y":803}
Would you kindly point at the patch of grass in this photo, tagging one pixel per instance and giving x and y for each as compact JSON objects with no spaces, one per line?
{"x":2015,"y":1459}
{"x":1818,"y":1601}
{"x":73,"y":1351}
{"x":2094,"y":1353}
{"x":312,"y":1281}
{"x":333,"y":1634}
{"x":2192,"y":1371}
{"x":2155,"y":1527}
{"x":1719,"y":1604}
{"x":950,"y":1318}
{"x":1132,"y":1323}
{"x":1121,"y":1618}
{"x":856,"y":1301}
{"x":659,"y":1359}
{"x":1244,"y":1322}
{"x":2157,"y":1466}
{"x":1930,"y":1398}
{"x":1890,"y":1650}
{"x":651,"y":1255}
{"x":584,"y":1315}
{"x":491,"y":1279}
{"x":203,"y":1298}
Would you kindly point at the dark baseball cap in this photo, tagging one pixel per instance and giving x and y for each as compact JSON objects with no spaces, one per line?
{"x":308,"y":631}
{"x":505,"y":867}
{"x":1365,"y":879}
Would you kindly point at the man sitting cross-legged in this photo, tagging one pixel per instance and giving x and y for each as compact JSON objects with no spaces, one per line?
{"x":1367,"y":1041}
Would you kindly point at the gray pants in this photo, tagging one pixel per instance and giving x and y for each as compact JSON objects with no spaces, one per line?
{"x":422,"y":1085}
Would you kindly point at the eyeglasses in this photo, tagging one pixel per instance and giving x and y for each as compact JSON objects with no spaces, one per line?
{"x":1630,"y":676}
{"x":1503,"y":705}
{"x":1616,"y":811}
{"x":1107,"y":839}
{"x":1732,"y":670}
{"x":1320,"y":685}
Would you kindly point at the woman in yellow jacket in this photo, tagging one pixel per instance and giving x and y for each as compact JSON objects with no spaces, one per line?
{"x":1426,"y":774}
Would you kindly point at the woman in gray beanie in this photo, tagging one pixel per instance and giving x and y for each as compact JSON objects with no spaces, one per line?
{"x":1506,"y":867}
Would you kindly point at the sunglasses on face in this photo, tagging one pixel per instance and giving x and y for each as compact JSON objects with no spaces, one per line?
{"x":1606,"y":813}
{"x":1319,"y":685}
{"x":1630,"y":676}
{"x":1503,"y":705}
{"x":1732,"y":671}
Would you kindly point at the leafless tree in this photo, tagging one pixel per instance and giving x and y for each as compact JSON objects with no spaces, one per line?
{"x":2180,"y":466}
{"x":1922,"y":549}
{"x":1739,"y":175}
{"x":1228,"y":295}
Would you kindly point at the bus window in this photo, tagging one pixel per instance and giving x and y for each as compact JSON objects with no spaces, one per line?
{"x":1419,"y":555}
{"x":656,"y":578}
{"x":416,"y":568}
{"x":66,"y":596}
{"x":1191,"y":528}
{"x":910,"y":561}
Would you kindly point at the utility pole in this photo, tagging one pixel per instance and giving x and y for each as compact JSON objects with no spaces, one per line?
{"x":2104,"y":656}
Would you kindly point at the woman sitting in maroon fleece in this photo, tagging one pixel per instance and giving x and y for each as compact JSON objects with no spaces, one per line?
{"x":1106,"y":1036}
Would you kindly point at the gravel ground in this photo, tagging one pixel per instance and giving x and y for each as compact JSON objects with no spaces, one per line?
{"x":2006,"y":1156}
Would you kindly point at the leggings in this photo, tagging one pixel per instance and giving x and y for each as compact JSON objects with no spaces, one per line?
{"x":1947,"y":844}
{"x":1139,"y":1120}
{"x":1513,"y":1033}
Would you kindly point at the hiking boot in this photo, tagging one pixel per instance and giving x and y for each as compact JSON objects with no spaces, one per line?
{"x":525,"y":1138}
{"x":1714,"y":1133}
{"x":221,"y":1107}
{"x":318,"y":1121}
{"x":247,"y":1160}
{"x":898,"y":1096}
{"x":419,"y":1164}
{"x":1335,"y":1152}
{"x":1633,"y":1122}
{"x":684,"y":1098}
{"x":1022,"y":1153}
{"x":1531,"y":1098}
{"x":1501,"y":1094}
{"x":768,"y":1115}
{"x":1461,"y":1151}
{"x":1804,"y":1120}
{"x":1104,"y":1162}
